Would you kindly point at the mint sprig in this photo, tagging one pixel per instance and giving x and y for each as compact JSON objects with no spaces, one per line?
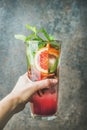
{"x":35,"y":35}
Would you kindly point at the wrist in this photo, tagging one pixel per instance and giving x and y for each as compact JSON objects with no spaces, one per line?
{"x":14,"y":101}
{"x":17,"y":104}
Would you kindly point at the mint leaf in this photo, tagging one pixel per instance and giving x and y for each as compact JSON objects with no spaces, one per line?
{"x":38,"y":38}
{"x":30,"y":37}
{"x":51,"y":38}
{"x":20,"y":37}
{"x":40,"y":45}
{"x":31,"y":28}
{"x":35,"y":35}
{"x":45,"y":33}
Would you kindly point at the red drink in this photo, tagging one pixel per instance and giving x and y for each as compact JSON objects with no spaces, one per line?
{"x":46,"y":103}
{"x":42,"y":60}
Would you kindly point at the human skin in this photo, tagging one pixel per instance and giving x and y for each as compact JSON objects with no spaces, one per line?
{"x":21,"y":94}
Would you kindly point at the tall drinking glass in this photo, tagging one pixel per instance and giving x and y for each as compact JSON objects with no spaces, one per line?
{"x":43,"y":62}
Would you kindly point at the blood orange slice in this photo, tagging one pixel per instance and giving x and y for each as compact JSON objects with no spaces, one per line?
{"x":41,"y":60}
{"x":45,"y":58}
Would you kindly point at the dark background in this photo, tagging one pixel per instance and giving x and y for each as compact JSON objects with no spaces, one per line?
{"x":66,"y":20}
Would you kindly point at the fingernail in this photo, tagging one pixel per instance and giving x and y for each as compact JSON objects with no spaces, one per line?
{"x":55,"y":81}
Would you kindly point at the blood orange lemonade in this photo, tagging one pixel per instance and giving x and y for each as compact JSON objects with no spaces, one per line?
{"x":42,"y":61}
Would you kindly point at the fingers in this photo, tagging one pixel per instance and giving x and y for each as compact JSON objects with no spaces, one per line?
{"x":45,"y":83}
{"x":38,"y":85}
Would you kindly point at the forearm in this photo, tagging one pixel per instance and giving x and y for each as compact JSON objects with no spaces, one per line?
{"x":7,"y":107}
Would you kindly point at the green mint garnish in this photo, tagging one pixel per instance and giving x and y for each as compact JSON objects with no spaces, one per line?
{"x":35,"y":35}
{"x":20,"y":37}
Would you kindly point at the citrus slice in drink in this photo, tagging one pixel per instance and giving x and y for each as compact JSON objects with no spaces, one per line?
{"x":41,"y":60}
{"x":45,"y":60}
{"x":53,"y":60}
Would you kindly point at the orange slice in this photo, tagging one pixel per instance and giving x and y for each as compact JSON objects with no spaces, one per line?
{"x":41,"y":60}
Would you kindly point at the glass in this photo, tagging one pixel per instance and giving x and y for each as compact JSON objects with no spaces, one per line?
{"x":43,"y":62}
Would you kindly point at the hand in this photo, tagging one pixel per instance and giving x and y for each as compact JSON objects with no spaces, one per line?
{"x":25,"y":88}
{"x":20,"y":95}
